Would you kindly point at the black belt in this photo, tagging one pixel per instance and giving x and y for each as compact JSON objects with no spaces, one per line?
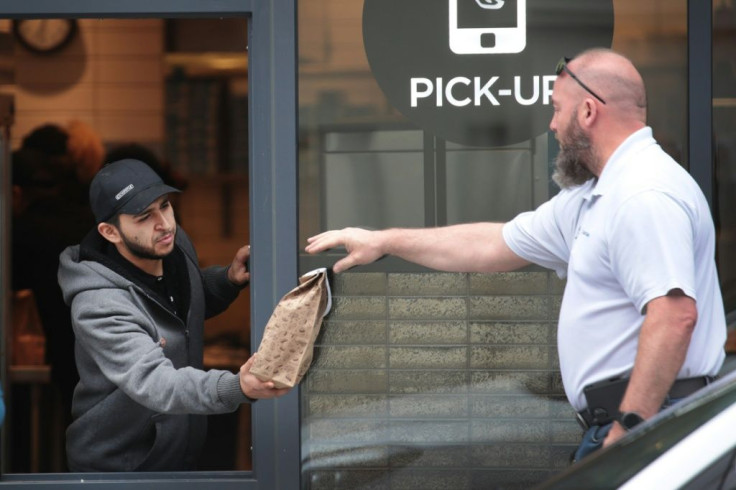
{"x":680,"y":389}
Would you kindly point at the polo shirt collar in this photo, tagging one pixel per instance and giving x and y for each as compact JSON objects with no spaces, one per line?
{"x":619,"y":160}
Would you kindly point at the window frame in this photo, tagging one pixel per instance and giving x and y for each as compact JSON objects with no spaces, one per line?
{"x":700,"y":95}
{"x":273,"y":221}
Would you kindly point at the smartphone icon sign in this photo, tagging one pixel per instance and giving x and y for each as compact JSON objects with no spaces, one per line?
{"x":487,"y":26}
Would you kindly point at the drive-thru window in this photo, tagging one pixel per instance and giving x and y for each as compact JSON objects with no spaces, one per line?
{"x":374,"y":113}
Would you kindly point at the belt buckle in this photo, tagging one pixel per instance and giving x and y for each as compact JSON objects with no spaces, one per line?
{"x":581,"y":421}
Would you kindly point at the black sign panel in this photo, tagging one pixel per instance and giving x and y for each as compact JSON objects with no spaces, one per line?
{"x":478,"y":72}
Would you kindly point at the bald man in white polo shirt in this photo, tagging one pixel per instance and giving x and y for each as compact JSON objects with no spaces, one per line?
{"x":641,"y":323}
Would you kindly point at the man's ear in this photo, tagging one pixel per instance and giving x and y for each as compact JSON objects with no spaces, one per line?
{"x":588,"y":113}
{"x":109,"y":232}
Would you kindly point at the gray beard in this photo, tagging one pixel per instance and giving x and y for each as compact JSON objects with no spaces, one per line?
{"x":573,"y":160}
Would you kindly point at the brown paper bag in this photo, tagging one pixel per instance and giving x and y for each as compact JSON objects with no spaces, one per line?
{"x":286,"y":350}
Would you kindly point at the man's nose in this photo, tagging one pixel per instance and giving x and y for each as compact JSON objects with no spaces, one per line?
{"x":162,"y":221}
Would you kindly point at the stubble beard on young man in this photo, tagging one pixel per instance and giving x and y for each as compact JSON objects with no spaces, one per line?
{"x":574,"y":159}
{"x":143,"y":252}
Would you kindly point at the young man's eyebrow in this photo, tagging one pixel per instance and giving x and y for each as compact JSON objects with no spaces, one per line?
{"x":148,"y":209}
{"x":143,"y":213}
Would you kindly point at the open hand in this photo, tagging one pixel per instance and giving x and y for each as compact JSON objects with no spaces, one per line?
{"x":363,"y":246}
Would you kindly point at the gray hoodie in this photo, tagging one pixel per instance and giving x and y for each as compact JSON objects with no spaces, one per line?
{"x":142,"y":399}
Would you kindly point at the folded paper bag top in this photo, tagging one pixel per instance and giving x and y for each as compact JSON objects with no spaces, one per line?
{"x":286,"y":350}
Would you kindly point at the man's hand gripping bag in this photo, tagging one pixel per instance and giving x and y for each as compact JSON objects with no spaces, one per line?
{"x":286,"y":350}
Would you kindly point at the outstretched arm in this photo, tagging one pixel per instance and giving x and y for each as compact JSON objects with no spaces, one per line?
{"x":476,"y":247}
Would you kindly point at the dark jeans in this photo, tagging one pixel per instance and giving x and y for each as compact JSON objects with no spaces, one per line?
{"x":593,"y":437}
{"x":592,"y":441}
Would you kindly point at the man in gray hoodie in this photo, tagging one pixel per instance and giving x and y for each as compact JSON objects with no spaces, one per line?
{"x":139,"y":300}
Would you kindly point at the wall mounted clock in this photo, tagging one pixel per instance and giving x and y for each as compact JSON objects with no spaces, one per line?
{"x":44,"y":35}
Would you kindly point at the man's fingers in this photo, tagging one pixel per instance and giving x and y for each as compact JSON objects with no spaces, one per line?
{"x":320,"y":245}
{"x":324,"y":241}
{"x":249,"y":363}
{"x":344,"y":264}
{"x":314,"y":238}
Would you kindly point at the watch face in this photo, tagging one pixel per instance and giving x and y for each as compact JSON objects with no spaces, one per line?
{"x":629,"y":420}
{"x":44,"y":35}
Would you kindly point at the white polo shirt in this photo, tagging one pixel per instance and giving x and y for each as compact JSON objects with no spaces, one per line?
{"x":640,"y":230}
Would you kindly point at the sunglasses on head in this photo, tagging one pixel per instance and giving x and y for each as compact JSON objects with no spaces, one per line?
{"x":562,"y":66}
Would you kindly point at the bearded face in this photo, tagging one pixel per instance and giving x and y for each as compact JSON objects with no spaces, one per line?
{"x":575,"y":157}
{"x":148,"y":251}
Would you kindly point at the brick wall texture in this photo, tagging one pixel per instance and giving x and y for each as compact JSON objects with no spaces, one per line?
{"x":437,"y":380}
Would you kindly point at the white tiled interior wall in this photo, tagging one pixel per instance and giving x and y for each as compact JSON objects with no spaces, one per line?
{"x":111,"y":76}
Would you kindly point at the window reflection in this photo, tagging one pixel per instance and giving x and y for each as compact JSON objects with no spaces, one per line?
{"x":724,"y":131}
{"x":435,"y":380}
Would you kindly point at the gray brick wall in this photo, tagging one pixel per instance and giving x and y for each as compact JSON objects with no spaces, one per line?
{"x":437,"y":380}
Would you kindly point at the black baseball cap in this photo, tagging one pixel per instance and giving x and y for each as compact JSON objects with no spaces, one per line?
{"x":127,"y":186}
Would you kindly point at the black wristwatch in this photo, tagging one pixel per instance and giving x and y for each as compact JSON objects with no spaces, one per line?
{"x":629,"y":420}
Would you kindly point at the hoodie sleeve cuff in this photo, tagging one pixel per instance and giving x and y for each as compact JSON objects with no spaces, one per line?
{"x":216,"y":281}
{"x":240,"y":287}
{"x":228,"y":389}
